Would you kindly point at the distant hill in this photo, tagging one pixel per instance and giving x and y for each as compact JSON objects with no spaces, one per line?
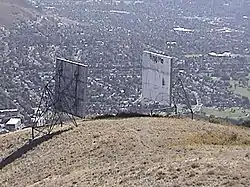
{"x":15,"y":10}
{"x":132,"y":152}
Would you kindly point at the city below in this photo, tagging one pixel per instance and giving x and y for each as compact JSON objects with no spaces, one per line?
{"x":208,"y":39}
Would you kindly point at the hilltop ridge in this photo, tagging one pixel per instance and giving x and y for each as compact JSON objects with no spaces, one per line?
{"x":133,"y":152}
{"x":12,"y":11}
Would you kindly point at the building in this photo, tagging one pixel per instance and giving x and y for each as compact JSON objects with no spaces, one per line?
{"x":6,"y":114}
{"x":14,"y":124}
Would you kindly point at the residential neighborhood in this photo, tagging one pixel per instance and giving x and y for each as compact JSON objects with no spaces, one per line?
{"x":210,"y":43}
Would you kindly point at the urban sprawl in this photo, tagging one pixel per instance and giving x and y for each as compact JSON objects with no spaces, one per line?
{"x":209,"y":40}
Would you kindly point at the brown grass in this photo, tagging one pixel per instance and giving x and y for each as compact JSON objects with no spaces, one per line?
{"x":10,"y":142}
{"x":135,"y":152}
{"x":228,"y":136}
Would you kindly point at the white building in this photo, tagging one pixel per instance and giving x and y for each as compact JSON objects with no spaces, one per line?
{"x":14,"y":124}
{"x":156,"y":78}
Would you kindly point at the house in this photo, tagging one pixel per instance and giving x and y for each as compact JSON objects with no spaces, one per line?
{"x":6,"y":114}
{"x":14,"y":124}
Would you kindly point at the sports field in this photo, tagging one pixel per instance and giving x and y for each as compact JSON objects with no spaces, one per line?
{"x":240,"y":90}
{"x":231,"y":113}
{"x":234,"y":112}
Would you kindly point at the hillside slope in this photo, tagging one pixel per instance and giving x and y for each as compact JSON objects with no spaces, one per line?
{"x":15,"y":10}
{"x":133,"y":152}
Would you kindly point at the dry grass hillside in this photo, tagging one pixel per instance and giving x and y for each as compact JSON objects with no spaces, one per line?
{"x":15,"y":10}
{"x":133,"y":152}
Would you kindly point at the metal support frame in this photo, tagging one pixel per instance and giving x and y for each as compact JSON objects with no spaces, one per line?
{"x":187,"y":100}
{"x":49,"y":112}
